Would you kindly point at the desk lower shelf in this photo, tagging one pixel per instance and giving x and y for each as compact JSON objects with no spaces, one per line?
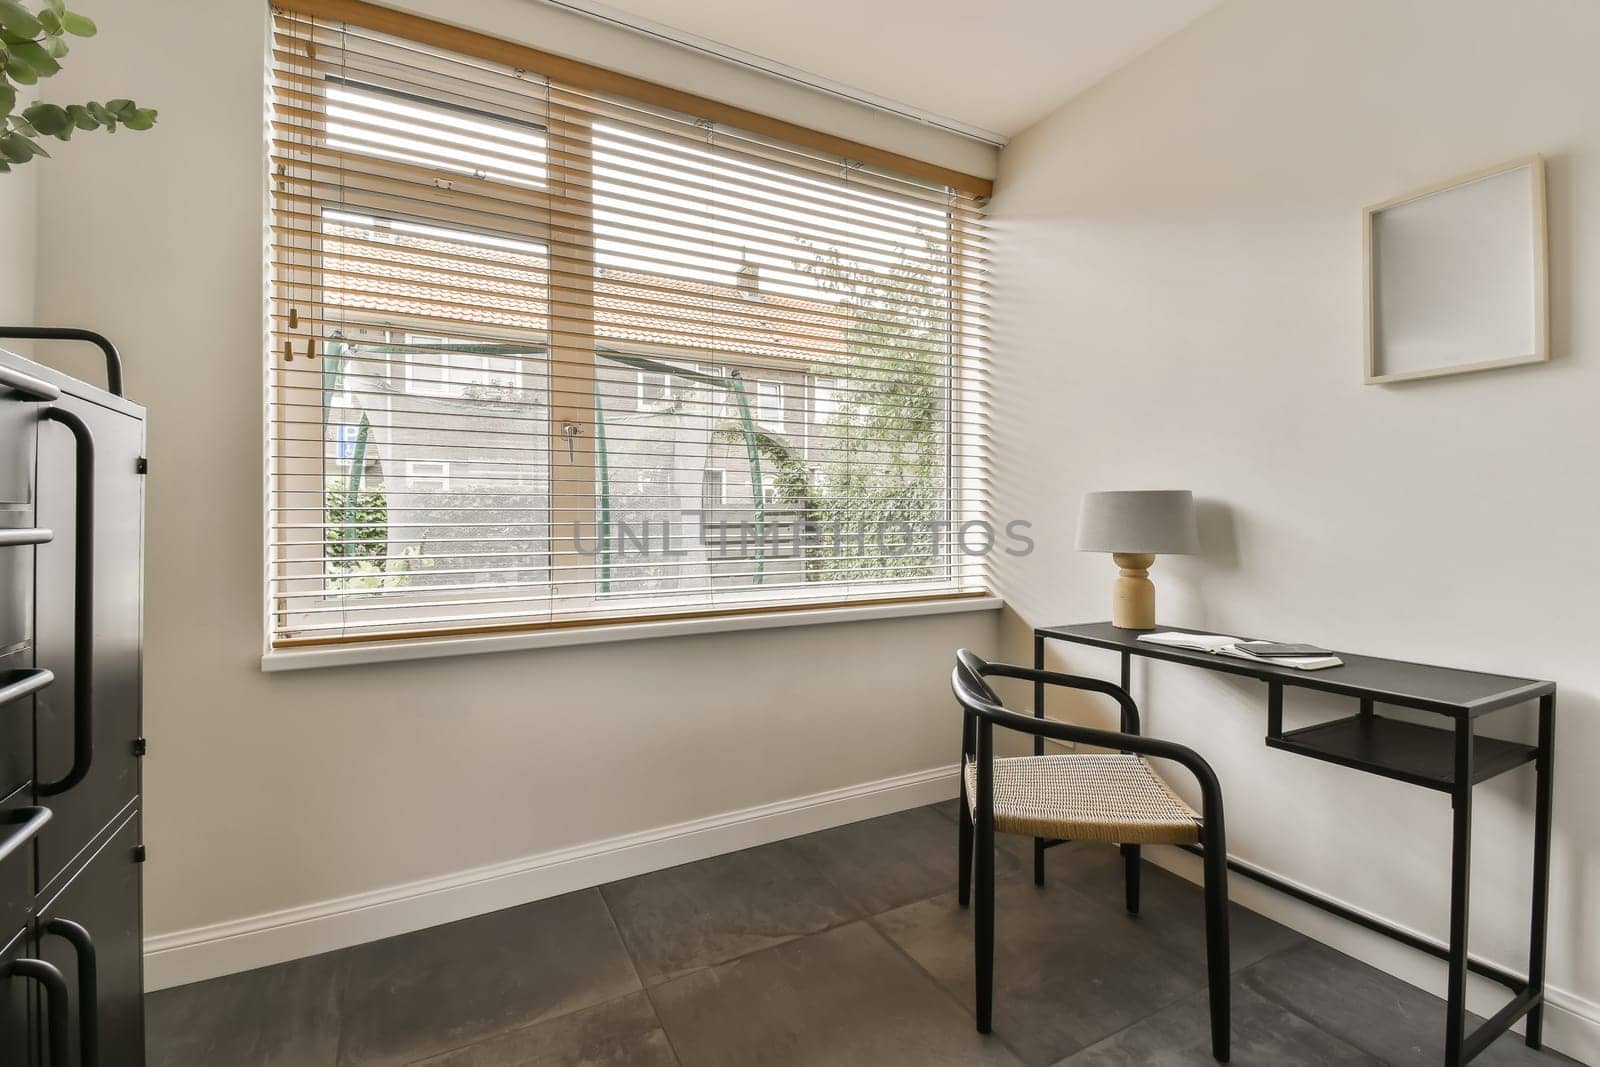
{"x":1421,"y":755}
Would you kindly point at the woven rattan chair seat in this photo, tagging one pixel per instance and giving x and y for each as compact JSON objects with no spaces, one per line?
{"x":1115,"y":798}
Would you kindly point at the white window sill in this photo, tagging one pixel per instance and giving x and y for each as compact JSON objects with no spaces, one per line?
{"x":436,"y":648}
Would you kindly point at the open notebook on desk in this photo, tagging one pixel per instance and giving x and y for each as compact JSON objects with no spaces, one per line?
{"x":1222,"y":645}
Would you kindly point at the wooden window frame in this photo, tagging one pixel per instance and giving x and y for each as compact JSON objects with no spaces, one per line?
{"x":571,"y":336}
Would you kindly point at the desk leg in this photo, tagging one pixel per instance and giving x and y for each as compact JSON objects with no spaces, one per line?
{"x":1038,"y":749}
{"x":1545,"y":766}
{"x":1455,"y":1012}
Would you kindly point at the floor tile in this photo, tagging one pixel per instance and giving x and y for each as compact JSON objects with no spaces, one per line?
{"x":704,"y":913}
{"x":1391,"y":1019}
{"x":1174,"y":906}
{"x":622,"y":1033}
{"x":412,"y":996}
{"x":1068,"y":971}
{"x":895,"y":860}
{"x":1264,"y":1034}
{"x":282,"y":1016}
{"x":842,"y":997}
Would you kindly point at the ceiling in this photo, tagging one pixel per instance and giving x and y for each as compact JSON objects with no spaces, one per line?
{"x":998,"y":66}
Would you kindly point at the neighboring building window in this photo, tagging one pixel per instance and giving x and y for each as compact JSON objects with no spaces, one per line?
{"x":541,"y":356}
{"x":427,"y":476}
{"x":655,"y":390}
{"x":769,"y":403}
{"x":824,"y":399}
{"x":713,"y":489}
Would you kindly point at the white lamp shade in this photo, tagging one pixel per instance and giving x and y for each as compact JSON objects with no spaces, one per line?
{"x":1146,"y":521}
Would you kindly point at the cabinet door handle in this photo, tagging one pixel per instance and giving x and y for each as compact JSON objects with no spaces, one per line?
{"x":23,"y":683}
{"x":88,"y":988}
{"x":36,"y":818}
{"x":31,"y":388}
{"x":55,"y":988}
{"x":12,"y":538}
{"x":83,"y":609}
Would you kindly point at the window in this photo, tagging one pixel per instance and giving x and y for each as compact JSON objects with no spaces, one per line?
{"x":426,"y":476}
{"x":655,"y":390}
{"x":769,"y":403}
{"x":543,"y":355}
{"x":713,"y":489}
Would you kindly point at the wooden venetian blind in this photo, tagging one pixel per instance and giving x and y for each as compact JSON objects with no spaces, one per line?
{"x":544,"y":354}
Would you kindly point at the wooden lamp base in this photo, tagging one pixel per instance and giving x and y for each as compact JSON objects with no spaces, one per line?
{"x":1133,"y":598}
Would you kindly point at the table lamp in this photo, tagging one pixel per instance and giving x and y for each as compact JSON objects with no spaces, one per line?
{"x":1136,"y":526}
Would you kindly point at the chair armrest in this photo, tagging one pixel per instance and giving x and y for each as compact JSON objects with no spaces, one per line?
{"x":977,"y":699}
{"x":1124,"y":699}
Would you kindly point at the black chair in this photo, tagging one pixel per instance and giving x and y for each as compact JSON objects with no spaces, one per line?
{"x":1113,"y":797}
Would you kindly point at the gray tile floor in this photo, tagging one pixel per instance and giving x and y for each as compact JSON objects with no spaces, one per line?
{"x":844,"y":947}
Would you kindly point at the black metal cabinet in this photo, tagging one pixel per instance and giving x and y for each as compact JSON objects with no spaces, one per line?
{"x":16,"y":1004}
{"x":20,"y":821}
{"x":21,"y":393}
{"x":28,"y":986}
{"x":71,"y":589}
{"x":110,"y":563}
{"x":17,"y":678}
{"x":89,"y":931}
{"x":22,"y":397}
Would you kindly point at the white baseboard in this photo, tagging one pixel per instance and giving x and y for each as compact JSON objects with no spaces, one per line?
{"x":1571,"y":1023}
{"x":193,"y":955}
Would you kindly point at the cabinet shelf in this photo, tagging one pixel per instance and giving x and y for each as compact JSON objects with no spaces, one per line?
{"x":1421,"y":755}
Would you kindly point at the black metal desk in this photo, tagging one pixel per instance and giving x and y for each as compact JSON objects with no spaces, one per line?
{"x":1449,"y":758}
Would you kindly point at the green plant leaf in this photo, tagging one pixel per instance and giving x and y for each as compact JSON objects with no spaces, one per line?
{"x":18,"y":70}
{"x":58,"y":6}
{"x":8,"y":98}
{"x":17,"y":19}
{"x":48,"y":119}
{"x":55,"y":46}
{"x":120,"y":107}
{"x":50,"y":22}
{"x":81,"y":118}
{"x":15,"y":148}
{"x":143,"y":118}
{"x":5,"y":168}
{"x":42,"y":62}
{"x":77,"y":25}
{"x":20,"y":124}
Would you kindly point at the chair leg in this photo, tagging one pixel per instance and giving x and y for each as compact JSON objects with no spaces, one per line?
{"x":1130,"y":874}
{"x":1038,"y":861}
{"x":1218,"y":970}
{"x":964,"y":845}
{"x":983,"y":922}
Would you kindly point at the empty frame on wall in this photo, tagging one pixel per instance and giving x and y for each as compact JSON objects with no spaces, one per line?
{"x":1457,"y":276}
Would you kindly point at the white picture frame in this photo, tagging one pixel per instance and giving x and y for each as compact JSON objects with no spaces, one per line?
{"x":1457,"y":276}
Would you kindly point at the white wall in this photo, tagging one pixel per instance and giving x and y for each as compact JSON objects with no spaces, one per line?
{"x":19,"y":199}
{"x":1180,"y":305}
{"x":271,"y":793}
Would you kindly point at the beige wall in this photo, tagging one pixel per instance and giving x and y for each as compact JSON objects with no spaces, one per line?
{"x":1180,"y":305}
{"x":273,"y":792}
{"x":18,"y":238}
